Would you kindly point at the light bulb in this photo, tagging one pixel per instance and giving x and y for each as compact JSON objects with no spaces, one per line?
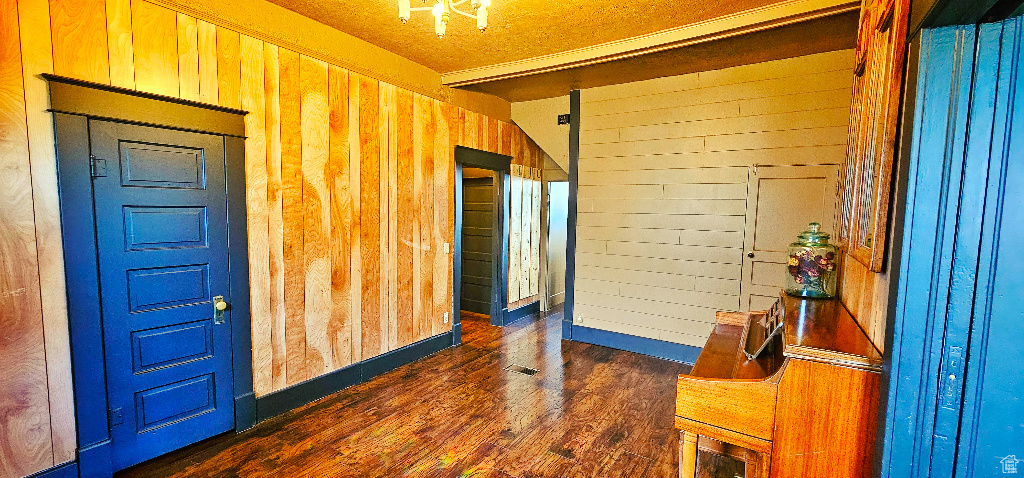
{"x":437,"y":10}
{"x":481,"y":18}
{"x":475,"y":3}
{"x":485,"y":3}
{"x":404,"y":10}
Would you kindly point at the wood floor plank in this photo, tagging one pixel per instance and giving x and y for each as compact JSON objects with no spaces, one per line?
{"x":316,"y":198}
{"x":293,"y":207}
{"x":340,"y":330}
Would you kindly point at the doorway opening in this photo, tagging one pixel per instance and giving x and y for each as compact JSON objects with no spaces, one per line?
{"x":481,"y":236}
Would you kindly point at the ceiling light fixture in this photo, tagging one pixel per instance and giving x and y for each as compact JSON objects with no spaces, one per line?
{"x":442,"y":12}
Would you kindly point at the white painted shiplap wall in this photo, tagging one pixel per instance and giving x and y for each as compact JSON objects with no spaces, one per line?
{"x":662,"y":185}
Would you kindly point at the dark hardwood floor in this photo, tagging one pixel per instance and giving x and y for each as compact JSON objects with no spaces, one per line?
{"x":589,"y":411}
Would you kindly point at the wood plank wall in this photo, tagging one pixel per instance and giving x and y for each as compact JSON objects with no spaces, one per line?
{"x":349,"y":181}
{"x":662,"y":188}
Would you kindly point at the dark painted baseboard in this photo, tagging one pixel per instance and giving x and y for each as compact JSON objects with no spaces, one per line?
{"x":641,"y":345}
{"x":67,"y":470}
{"x":297,"y":395}
{"x":510,"y":316}
{"x":245,"y":411}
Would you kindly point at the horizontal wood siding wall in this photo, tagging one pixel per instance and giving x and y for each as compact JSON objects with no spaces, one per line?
{"x":662,"y":185}
{"x":349,"y":185}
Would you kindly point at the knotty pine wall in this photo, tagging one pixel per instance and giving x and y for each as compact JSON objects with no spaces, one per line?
{"x":662,"y":185}
{"x":350,"y":199}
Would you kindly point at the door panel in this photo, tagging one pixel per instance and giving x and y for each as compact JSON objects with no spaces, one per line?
{"x":161,"y":224}
{"x":477,"y":243}
{"x":781,"y":202}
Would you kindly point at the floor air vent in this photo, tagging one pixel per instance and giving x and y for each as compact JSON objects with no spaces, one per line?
{"x":521,"y":369}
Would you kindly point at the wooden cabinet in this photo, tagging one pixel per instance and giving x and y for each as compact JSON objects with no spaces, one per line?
{"x":806,"y":409}
{"x":877,"y":89}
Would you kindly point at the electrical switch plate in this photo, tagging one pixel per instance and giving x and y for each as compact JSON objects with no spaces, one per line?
{"x":447,"y":248}
{"x":446,"y":317}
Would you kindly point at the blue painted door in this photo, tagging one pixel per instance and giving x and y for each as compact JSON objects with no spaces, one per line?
{"x":161,"y":225}
{"x":991,"y":438}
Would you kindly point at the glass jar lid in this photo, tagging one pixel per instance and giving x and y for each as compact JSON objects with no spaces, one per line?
{"x":813,"y":235}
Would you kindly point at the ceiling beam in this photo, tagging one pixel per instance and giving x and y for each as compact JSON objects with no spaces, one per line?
{"x":775,"y":15}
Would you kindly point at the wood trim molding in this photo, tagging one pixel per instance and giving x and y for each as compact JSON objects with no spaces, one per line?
{"x":749,"y":21}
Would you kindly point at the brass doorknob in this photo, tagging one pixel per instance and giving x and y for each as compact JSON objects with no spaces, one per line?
{"x":221,"y":305}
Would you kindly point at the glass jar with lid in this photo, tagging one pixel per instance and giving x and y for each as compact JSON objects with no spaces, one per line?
{"x":812,"y":268}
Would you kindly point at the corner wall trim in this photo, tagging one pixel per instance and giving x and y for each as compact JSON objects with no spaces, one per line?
{"x":277,"y":403}
{"x":641,"y":345}
{"x":570,"y":226}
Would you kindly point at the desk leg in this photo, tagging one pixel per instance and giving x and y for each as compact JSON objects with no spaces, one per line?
{"x":687,"y":455}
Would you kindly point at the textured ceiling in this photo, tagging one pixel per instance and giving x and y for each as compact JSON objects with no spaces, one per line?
{"x":518,"y":29}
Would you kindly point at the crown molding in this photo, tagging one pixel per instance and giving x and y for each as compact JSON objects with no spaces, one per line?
{"x":776,"y":15}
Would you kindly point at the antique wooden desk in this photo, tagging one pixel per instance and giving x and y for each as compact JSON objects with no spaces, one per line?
{"x":806,"y":409}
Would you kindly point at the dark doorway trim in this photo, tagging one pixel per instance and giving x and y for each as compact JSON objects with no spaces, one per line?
{"x":502,"y":166}
{"x":570,"y":226}
{"x":74,"y":103}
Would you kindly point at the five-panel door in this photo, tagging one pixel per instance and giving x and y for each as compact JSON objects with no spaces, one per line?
{"x":162,"y":233}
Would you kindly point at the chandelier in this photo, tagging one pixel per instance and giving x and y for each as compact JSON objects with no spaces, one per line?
{"x":442,"y":11}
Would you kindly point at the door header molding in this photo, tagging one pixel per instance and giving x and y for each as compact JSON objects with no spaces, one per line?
{"x":99,"y":101}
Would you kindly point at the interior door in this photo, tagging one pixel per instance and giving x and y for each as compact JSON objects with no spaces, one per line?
{"x":161,"y":223}
{"x":781,"y":202}
{"x":477,"y":240}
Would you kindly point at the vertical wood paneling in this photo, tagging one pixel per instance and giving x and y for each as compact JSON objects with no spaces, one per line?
{"x":340,"y":330}
{"x":444,"y":165}
{"x":369,"y":216}
{"x":188,"y":58}
{"x":535,"y":228}
{"x":155,"y":37}
{"x":253,"y":100}
{"x":228,"y":69}
{"x":37,"y":57}
{"x":119,"y":43}
{"x":355,"y":189}
{"x":388,"y":214}
{"x":208,"y":87}
{"x":292,"y":204}
{"x":515,"y":223}
{"x":405,"y":211}
{"x":423,"y":259}
{"x":78,"y":31}
{"x":316,"y":199}
{"x":525,"y":217}
{"x":275,"y":216}
{"x":24,"y":405}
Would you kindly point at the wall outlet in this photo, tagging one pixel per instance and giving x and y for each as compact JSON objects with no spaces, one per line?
{"x":446,"y":317}
{"x":579,"y":318}
{"x":447,"y":248}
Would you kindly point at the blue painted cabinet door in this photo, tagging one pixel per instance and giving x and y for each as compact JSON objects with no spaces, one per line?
{"x":161,"y":225}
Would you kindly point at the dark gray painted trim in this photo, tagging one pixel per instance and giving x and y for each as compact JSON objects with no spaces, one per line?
{"x":66,"y":470}
{"x":274,"y":404}
{"x":514,"y":315}
{"x":631,"y":343}
{"x":111,"y":103}
{"x":570,"y":227}
{"x":501,"y":164}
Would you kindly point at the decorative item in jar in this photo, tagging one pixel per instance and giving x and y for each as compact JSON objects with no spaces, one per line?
{"x":812,"y":268}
